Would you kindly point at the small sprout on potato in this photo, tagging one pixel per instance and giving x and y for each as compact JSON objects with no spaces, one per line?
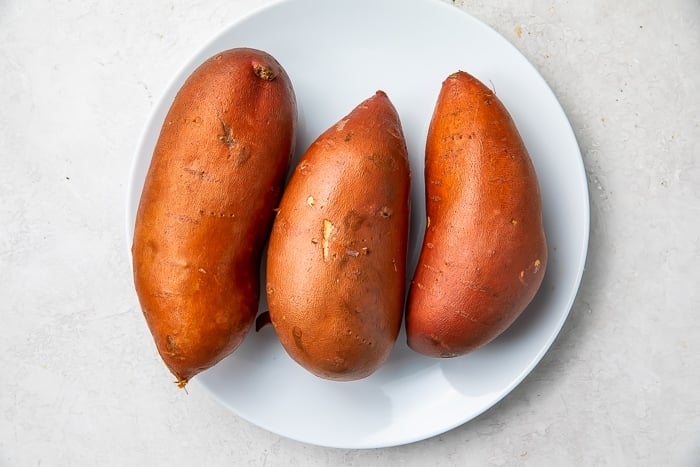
{"x":181,"y":383}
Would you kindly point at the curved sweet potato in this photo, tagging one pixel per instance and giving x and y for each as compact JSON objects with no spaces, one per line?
{"x":207,"y":206}
{"x":484,"y":252}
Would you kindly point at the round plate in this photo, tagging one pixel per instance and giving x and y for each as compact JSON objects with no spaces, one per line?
{"x":337,"y":54}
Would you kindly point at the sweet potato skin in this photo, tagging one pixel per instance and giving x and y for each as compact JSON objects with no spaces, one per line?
{"x":207,"y":206}
{"x":484,"y":252}
{"x":336,"y":260}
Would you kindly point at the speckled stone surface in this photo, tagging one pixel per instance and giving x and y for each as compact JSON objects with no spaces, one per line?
{"x":80,"y":380}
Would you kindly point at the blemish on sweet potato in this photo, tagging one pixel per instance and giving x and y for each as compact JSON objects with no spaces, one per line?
{"x":264,"y":72}
{"x":327,"y":231}
{"x":536,"y":266}
{"x":227,"y":136}
{"x":385,"y":212}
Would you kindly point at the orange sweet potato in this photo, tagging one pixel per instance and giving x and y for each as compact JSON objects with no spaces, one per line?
{"x":484,"y":252}
{"x":207,"y":206}
{"x":336,"y":259}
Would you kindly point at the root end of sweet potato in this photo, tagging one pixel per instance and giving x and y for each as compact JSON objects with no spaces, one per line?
{"x":262,"y":320}
{"x":182,"y":383}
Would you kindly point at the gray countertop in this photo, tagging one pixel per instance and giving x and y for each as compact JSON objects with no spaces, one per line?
{"x":80,"y":381}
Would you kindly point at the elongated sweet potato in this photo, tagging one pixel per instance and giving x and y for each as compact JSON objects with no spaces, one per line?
{"x":207,"y":206}
{"x":484,"y":252}
{"x":337,"y":253}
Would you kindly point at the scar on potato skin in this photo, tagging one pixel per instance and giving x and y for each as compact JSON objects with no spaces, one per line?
{"x":353,"y":220}
{"x":536,"y":266}
{"x":170,"y":344}
{"x":383,"y":162}
{"x":261,"y":71}
{"x":437,"y":342}
{"x":227,"y":138}
{"x":340,"y":125}
{"x":296,"y":334}
{"x":327,"y":231}
{"x":385,"y":212}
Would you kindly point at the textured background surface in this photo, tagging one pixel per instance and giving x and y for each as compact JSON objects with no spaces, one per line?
{"x":80,"y":382}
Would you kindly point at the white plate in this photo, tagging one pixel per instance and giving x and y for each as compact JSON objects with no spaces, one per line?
{"x":338,"y":53}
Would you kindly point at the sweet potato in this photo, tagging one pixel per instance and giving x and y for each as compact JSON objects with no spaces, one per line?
{"x":484,"y":252}
{"x":337,"y":253}
{"x":207,"y":206}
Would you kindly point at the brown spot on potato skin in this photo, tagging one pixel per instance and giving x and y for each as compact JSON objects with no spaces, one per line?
{"x":484,"y":224}
{"x":353,"y":220}
{"x":297,"y":334}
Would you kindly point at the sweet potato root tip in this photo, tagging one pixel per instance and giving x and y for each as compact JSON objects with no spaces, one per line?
{"x":262,"y":320}
{"x":182,"y":383}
